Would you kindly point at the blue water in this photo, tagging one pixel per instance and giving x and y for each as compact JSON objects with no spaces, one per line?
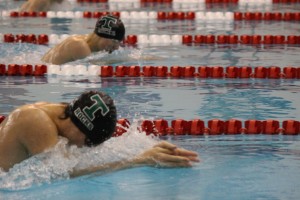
{"x":165,"y":98}
{"x":238,"y":167}
{"x":232,"y":167}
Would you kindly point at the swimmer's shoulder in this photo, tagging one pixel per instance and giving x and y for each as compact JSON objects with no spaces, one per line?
{"x":76,"y":42}
{"x":29,"y":112}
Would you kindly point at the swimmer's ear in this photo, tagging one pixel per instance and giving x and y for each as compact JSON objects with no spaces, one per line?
{"x":67,"y":112}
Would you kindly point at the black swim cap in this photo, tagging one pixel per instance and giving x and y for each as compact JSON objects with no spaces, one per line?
{"x":110,"y":27}
{"x":94,"y":113}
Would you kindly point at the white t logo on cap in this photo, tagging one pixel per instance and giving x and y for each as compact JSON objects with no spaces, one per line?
{"x":108,"y":21}
{"x":99,"y":104}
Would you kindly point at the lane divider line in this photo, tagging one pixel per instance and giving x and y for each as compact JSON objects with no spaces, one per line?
{"x":211,"y":127}
{"x":199,"y":72}
{"x":153,"y":39}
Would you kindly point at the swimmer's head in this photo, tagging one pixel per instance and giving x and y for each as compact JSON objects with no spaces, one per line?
{"x":111,"y":27}
{"x":95,"y":115}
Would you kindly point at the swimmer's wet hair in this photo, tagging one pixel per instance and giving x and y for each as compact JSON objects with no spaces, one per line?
{"x":95,"y":115}
{"x":111,"y":27}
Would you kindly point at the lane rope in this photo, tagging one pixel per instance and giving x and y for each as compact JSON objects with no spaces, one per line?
{"x":164,"y":15}
{"x":211,"y":127}
{"x":176,"y":5}
{"x":216,"y":72}
{"x":153,"y":39}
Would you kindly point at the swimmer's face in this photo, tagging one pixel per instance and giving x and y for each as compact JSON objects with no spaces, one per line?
{"x":110,"y":45}
{"x":75,"y":136}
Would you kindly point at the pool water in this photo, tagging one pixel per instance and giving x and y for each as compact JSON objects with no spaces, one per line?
{"x":232,"y":166}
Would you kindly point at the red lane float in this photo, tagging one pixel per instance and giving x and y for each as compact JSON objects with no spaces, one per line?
{"x":2,"y":118}
{"x":267,"y":16}
{"x":23,"y":70}
{"x":270,"y":127}
{"x":41,"y":39}
{"x":148,"y":71}
{"x":180,"y":127}
{"x":148,"y":127}
{"x":290,"y":127}
{"x":233,"y":127}
{"x":290,"y":72}
{"x":122,"y":127}
{"x":161,"y":126}
{"x":272,"y":72}
{"x":252,"y":127}
{"x":214,"y":127}
{"x":197,"y":127}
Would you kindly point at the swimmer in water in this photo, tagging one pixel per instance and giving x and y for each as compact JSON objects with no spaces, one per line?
{"x":89,"y":120}
{"x":107,"y":36}
{"x":39,"y":5}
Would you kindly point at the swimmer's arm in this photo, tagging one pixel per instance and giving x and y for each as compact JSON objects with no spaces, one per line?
{"x":110,"y":61}
{"x":163,"y":154}
{"x":36,"y":5}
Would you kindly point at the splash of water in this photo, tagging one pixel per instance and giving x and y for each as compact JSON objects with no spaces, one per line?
{"x":63,"y":6}
{"x":120,"y":56}
{"x":22,"y":53}
{"x":56,"y":163}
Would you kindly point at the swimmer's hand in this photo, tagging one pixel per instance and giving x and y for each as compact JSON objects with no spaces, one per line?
{"x":166,"y":154}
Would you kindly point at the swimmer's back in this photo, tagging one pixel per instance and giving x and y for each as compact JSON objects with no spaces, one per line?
{"x":68,"y":50}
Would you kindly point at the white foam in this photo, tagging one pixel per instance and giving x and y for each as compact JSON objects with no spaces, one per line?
{"x":63,"y":6}
{"x":55,"y":165}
